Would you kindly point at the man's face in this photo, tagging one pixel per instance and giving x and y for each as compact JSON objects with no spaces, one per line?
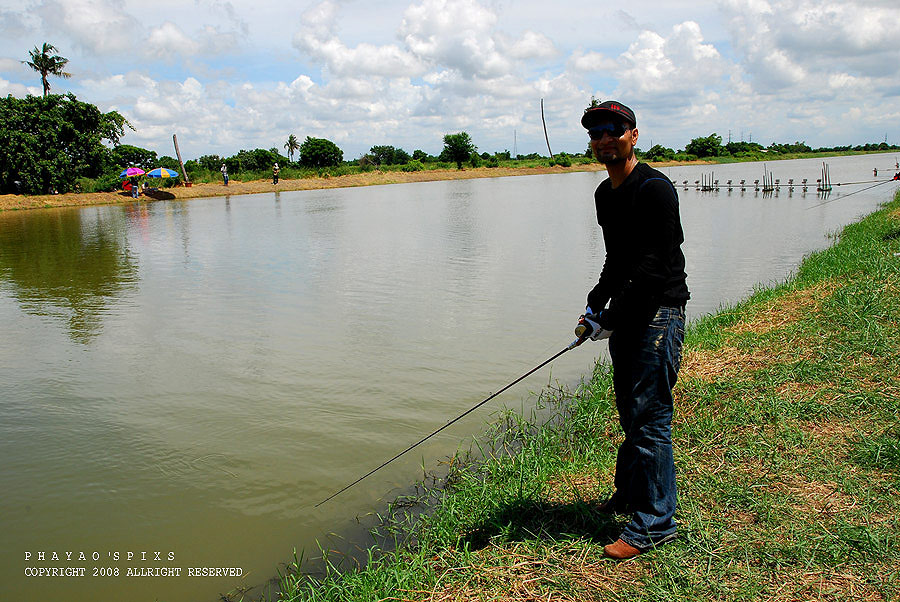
{"x":609,"y":148}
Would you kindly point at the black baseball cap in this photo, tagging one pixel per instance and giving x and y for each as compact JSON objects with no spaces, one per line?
{"x":604,"y":111}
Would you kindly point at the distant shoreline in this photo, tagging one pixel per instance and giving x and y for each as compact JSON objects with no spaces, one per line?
{"x":14,"y":202}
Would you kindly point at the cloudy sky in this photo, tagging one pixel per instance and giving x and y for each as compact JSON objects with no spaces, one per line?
{"x":226,"y":75}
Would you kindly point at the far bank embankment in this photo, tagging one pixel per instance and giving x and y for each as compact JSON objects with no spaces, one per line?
{"x":10,"y":202}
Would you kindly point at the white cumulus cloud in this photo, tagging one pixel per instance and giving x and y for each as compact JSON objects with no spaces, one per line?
{"x":169,"y":41}
{"x":672,"y":69}
{"x":101,"y":27}
{"x":232,"y":74}
{"x":456,"y":34}
{"x":797,"y":43}
{"x":318,"y":39}
{"x":531,"y":45}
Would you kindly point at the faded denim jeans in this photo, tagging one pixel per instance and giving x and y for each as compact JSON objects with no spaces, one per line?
{"x":645,"y":368}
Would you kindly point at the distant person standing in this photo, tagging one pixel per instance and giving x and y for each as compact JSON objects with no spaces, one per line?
{"x":224,"y":171}
{"x":275,"y":174}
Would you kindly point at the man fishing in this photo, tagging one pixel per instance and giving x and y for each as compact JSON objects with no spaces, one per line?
{"x":638,"y":303}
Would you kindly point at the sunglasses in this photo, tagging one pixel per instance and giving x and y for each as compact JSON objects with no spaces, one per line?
{"x":613,"y":129}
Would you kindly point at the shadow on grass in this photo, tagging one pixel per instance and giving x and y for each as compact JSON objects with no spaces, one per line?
{"x":527,"y":519}
{"x":891,"y":235}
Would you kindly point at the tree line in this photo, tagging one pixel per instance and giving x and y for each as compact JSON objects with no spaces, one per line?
{"x":711,"y":146}
{"x":57,"y":144}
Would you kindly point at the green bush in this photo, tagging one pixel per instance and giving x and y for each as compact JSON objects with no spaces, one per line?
{"x":319,"y":152}
{"x":47,"y":144}
{"x":413,"y":165}
{"x":562,"y":159}
{"x":659,"y":152}
{"x":169,"y":163}
{"x":127,"y":155}
{"x":104,"y":183}
{"x":257,"y":160}
{"x":458,"y":148}
{"x":209,"y":162}
{"x":708,"y":146}
{"x":336,"y":170}
{"x":388,"y":155}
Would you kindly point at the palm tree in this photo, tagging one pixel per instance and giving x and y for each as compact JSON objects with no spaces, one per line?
{"x":46,"y":64}
{"x":292,"y":146}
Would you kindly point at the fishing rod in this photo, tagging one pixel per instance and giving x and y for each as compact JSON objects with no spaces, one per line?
{"x":850,"y":194}
{"x":581,"y":338}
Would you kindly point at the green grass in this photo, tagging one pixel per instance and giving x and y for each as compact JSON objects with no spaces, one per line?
{"x":787,"y":439}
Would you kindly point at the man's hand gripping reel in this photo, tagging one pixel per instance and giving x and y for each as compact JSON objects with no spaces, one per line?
{"x":589,"y":328}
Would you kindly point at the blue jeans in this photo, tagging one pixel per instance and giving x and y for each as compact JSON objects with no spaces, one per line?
{"x":645,"y":368}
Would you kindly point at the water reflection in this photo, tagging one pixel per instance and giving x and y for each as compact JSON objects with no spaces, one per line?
{"x":70,"y":265}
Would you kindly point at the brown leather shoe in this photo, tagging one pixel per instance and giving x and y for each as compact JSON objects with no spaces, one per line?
{"x":620,"y":550}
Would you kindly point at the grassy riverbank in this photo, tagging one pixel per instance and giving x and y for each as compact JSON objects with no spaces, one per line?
{"x":787,"y":442}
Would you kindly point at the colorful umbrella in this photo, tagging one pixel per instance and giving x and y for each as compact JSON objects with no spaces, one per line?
{"x":132,"y":171}
{"x":162,"y":172}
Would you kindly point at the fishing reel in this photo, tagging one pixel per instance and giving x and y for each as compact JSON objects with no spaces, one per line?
{"x":589,"y":328}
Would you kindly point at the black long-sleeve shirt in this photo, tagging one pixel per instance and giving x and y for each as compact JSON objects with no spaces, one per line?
{"x":644,"y":266}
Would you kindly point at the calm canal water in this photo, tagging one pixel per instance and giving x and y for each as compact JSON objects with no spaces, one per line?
{"x":191,"y":378}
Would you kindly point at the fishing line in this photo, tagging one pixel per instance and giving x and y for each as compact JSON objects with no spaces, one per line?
{"x":460,"y":417}
{"x":851,"y":194}
{"x":861,"y":182}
